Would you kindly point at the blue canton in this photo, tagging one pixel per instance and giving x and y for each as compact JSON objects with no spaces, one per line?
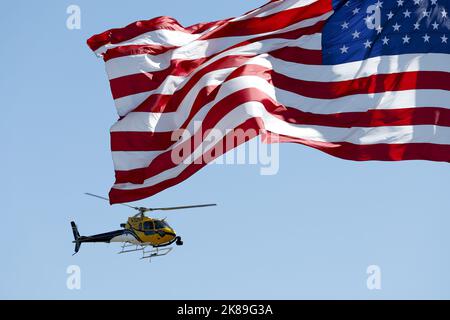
{"x":361,"y":29}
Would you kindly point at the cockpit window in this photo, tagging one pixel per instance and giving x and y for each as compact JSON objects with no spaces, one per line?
{"x":159,"y":224}
{"x":148,"y":225}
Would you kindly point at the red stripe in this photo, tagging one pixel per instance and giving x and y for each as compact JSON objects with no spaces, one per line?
{"x":371,"y":84}
{"x":277,"y":21}
{"x":381,"y":151}
{"x":298,"y":55}
{"x":370,"y":118}
{"x":142,"y":141}
{"x":119,"y":196}
{"x":136,"y":49}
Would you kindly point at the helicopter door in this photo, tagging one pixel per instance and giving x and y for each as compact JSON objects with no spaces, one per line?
{"x":149,"y":228}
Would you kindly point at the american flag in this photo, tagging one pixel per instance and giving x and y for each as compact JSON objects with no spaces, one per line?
{"x":359,"y":80}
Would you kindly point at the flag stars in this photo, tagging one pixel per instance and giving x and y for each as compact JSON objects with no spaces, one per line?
{"x":368,"y":20}
{"x":407,"y":13}
{"x":444,"y":13}
{"x":396,"y":27}
{"x":385,"y":40}
{"x":417,"y":25}
{"x":356,"y":34}
{"x":426,"y":13}
{"x":426,"y":38}
{"x":406,"y":39}
{"x":390,"y":15}
{"x":435,"y":25}
{"x":433,"y":2}
{"x":344,"y":25}
{"x":379,"y":4}
{"x":444,"y":39}
{"x":400,"y":3}
{"x":356,"y":11}
{"x":344,"y":49}
{"x":367,"y":44}
{"x":417,"y":2}
{"x":379,"y":29}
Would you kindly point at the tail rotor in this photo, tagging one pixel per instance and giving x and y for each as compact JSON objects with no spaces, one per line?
{"x":76,"y":236}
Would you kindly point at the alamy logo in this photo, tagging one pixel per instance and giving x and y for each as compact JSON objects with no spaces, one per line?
{"x":74,"y":279}
{"x":374,"y":279}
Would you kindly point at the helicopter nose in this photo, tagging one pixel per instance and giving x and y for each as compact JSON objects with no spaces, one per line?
{"x":170,"y":231}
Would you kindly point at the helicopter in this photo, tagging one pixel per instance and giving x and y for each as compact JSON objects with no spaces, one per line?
{"x":139,"y":233}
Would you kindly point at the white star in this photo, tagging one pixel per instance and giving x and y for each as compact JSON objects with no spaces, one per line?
{"x":396,"y":27}
{"x":347,"y":3}
{"x":344,"y":25}
{"x":390,"y":15}
{"x":444,"y":39}
{"x":400,"y":3}
{"x":356,"y":11}
{"x":379,"y":4}
{"x":407,"y":13}
{"x":379,"y":29}
{"x":444,"y":13}
{"x":417,"y":2}
{"x":426,"y":13}
{"x":426,"y":38}
{"x":435,"y":25}
{"x":434,"y":2}
{"x":406,"y":39}
{"x":416,"y":25}
{"x":385,"y":40}
{"x":367,"y":44}
{"x":344,"y":49}
{"x":355,"y":34}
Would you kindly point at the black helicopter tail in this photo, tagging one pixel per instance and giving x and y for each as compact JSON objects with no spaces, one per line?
{"x":77,"y":237}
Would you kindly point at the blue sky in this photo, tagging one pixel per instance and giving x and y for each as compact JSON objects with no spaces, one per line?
{"x":310,"y":231}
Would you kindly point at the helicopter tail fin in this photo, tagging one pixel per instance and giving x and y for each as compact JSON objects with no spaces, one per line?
{"x":76,"y":235}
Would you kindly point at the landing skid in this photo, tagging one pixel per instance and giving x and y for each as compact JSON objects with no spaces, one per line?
{"x":146,"y":254}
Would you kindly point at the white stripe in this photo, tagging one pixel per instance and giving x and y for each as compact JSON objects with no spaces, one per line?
{"x":355,"y":135}
{"x":129,"y":160}
{"x":164,"y":122}
{"x":161,"y":37}
{"x":280,"y":6}
{"x":360,"y":69}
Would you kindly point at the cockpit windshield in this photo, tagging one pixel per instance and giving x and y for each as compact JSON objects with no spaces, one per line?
{"x":159,"y":224}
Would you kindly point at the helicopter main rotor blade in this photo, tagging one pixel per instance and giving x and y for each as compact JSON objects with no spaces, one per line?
{"x":182,"y":207}
{"x":100,"y":197}
{"x":143,"y":209}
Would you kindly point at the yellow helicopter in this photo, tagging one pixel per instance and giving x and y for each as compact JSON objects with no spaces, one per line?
{"x":139,"y":233}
